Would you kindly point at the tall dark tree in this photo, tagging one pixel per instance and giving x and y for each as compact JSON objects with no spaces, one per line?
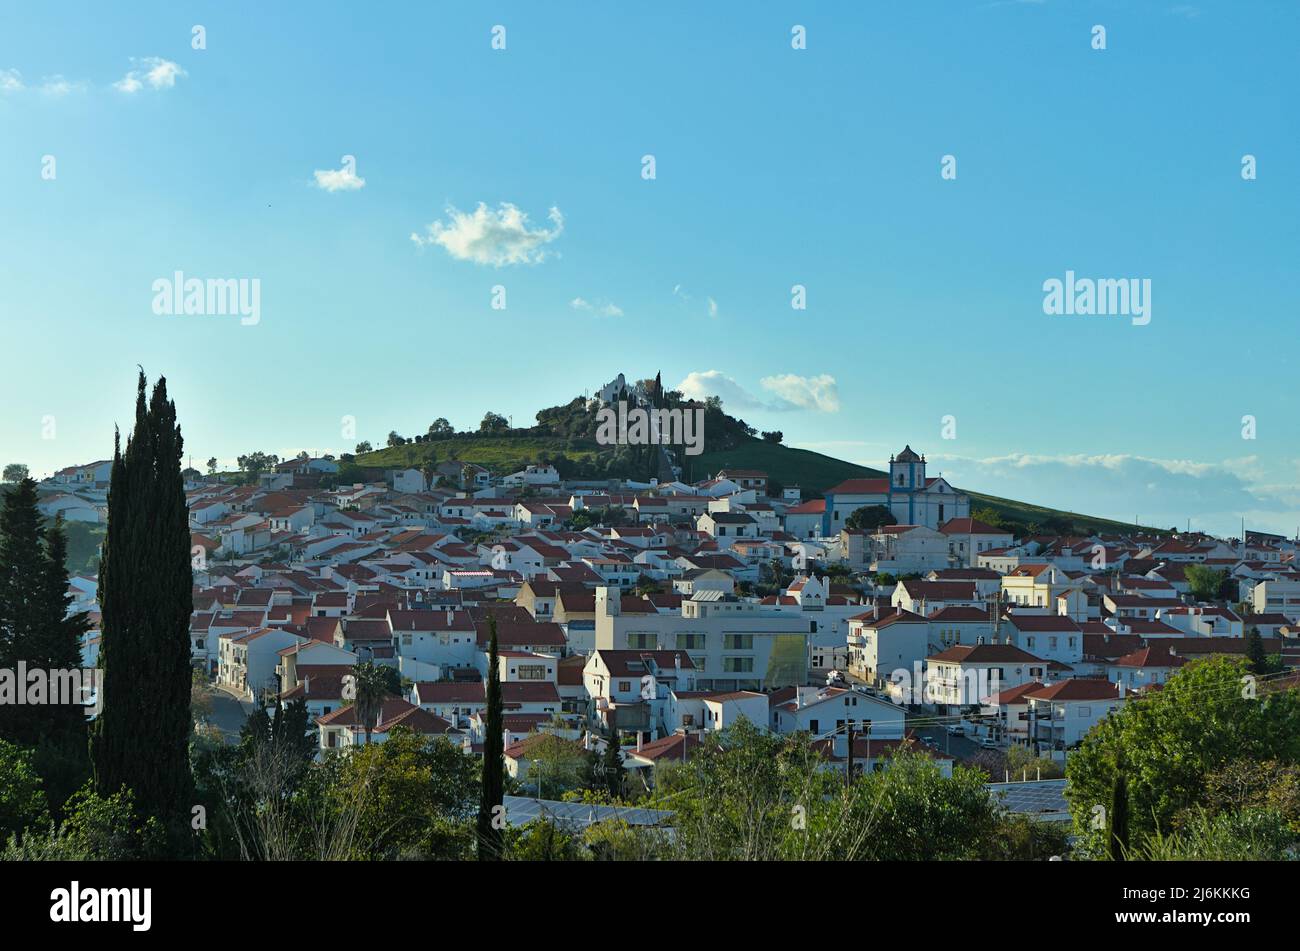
{"x":612,"y":762}
{"x":490,"y":815}
{"x":58,"y":645}
{"x":141,"y":738}
{"x":24,"y":614}
{"x":1117,"y":818}
{"x":1255,"y":653}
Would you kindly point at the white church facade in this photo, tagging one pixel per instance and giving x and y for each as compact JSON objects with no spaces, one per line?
{"x":912,"y":497}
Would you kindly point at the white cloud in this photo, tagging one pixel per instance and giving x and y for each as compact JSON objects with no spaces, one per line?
{"x":600,"y":308}
{"x":807,"y":392}
{"x":497,"y":237}
{"x":685,"y":296}
{"x":11,"y":80}
{"x":791,"y":392}
{"x":154,"y":71}
{"x":57,"y":86}
{"x":1162,"y":492}
{"x":339,"y":180}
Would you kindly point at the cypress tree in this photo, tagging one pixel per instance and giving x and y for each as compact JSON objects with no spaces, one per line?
{"x":612,"y":761}
{"x":22,"y":590}
{"x":490,"y":838}
{"x":141,"y":739}
{"x":1258,"y":660}
{"x":1117,"y":833}
{"x":59,"y":644}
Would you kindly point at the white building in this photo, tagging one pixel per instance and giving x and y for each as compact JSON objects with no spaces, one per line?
{"x":908,"y":493}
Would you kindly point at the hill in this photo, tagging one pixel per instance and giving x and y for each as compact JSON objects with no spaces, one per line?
{"x":565,"y":437}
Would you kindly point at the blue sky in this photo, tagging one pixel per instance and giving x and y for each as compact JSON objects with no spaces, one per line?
{"x":774,"y":167}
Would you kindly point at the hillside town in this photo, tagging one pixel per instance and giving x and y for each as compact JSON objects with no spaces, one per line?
{"x":648,"y":615}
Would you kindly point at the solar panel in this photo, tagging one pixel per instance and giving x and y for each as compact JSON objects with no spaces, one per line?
{"x":1044,"y":798}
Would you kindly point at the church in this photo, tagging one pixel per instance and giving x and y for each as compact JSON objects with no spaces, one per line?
{"x":908,"y":493}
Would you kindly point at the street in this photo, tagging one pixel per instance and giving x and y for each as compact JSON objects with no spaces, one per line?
{"x":228,"y":713}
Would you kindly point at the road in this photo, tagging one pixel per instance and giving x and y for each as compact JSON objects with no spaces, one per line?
{"x":228,"y":713}
{"x":959,"y":747}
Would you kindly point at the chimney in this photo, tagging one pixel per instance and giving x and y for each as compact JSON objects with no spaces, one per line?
{"x":640,"y":740}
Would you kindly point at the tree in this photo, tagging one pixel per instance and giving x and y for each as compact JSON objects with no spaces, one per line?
{"x":488,"y":828}
{"x":773,"y":437}
{"x":494,"y":423}
{"x":394,"y":439}
{"x":15,"y":472}
{"x":612,"y":762}
{"x":556,"y":764}
{"x":1207,"y":584}
{"x":212,"y":465}
{"x":1170,"y":741}
{"x":22,"y":800}
{"x":370,"y":687}
{"x":35,"y":627}
{"x":1117,"y":819}
{"x":440,"y":428}
{"x":413,"y":797}
{"x":1255,"y":655}
{"x":256,"y":462}
{"x":141,"y":738}
{"x":869,"y":518}
{"x":58,"y":638}
{"x":364,"y":446}
{"x":22,"y":565}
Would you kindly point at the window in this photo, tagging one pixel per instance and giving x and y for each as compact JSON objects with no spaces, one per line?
{"x":532,"y":672}
{"x":641,"y":640}
{"x":738,"y":665}
{"x":738,"y":642}
{"x":624,"y":686}
{"x":690,"y":642}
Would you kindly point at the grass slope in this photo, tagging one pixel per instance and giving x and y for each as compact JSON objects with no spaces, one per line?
{"x":501,"y":454}
{"x":813,"y":472}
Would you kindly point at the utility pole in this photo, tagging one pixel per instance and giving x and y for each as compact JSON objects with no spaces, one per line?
{"x":848,"y":773}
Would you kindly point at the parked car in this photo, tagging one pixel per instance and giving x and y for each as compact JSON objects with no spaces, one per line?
{"x":955,"y":729}
{"x":989,"y":743}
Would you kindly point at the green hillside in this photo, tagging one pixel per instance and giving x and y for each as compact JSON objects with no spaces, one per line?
{"x":501,"y":454}
{"x":813,"y":472}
